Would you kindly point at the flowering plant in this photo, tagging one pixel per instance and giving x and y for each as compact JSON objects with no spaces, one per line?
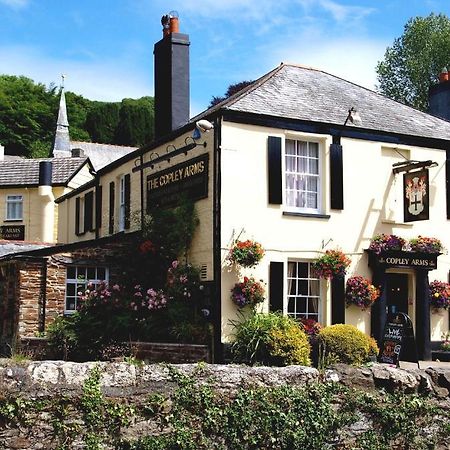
{"x":183,"y":281}
{"x":446,"y":341}
{"x":360,"y":292}
{"x":440,"y":294}
{"x":425,"y":245}
{"x":333,"y":263}
{"x":310,"y":326}
{"x":383,"y":242}
{"x":246,"y":253}
{"x":247,"y":292}
{"x":150,"y":299}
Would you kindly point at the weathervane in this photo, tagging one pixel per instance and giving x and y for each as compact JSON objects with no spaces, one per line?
{"x":62,"y":80}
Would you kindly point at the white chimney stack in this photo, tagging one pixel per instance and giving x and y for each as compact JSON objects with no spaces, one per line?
{"x":2,"y":152}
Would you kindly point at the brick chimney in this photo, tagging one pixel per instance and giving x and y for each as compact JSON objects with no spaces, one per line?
{"x":171,"y":77}
{"x":439,"y":96}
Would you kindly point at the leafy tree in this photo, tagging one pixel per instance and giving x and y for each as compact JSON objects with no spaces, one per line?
{"x":78,"y":108}
{"x":136,"y":120}
{"x":232,"y":89}
{"x":27,"y":113}
{"x":102,"y":122}
{"x":415,"y":60}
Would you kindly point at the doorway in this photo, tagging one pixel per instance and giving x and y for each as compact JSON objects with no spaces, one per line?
{"x":397,"y":293}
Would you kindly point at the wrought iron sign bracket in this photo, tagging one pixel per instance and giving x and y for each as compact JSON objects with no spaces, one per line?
{"x":411,"y":165}
{"x":171,"y":151}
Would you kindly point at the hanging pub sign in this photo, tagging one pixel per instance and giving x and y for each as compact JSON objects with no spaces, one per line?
{"x":398,"y":341}
{"x":12,"y":232}
{"x":416,"y":196}
{"x":188,"y":179}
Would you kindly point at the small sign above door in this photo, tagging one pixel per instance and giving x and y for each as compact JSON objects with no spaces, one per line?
{"x":12,"y":232}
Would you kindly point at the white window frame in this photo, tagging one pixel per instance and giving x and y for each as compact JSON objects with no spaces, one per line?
{"x":14,"y":201}
{"x":122,"y":208}
{"x":294,"y":292}
{"x":80,"y":281}
{"x":319,"y":175}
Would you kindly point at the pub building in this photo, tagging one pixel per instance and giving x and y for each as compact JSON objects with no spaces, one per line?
{"x":301,"y":161}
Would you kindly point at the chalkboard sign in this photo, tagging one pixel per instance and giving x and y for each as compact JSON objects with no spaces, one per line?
{"x":398,"y":341}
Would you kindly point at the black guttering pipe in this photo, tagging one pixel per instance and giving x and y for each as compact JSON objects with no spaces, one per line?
{"x":141,"y":159}
{"x":217,"y":236}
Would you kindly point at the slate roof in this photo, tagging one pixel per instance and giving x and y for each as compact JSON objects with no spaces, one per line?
{"x":102,"y":154}
{"x":13,"y":247}
{"x":297,"y":92}
{"x":26,"y":171}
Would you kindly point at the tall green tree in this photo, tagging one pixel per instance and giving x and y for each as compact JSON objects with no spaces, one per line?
{"x":27,"y":113}
{"x":136,"y":119}
{"x":415,"y":60}
{"x":102,"y":121}
{"x":231,"y":90}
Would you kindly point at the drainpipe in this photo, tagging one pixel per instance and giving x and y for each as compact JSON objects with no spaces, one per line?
{"x":47,"y":201}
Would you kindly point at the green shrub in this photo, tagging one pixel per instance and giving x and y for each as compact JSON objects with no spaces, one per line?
{"x":270,"y":339}
{"x":346,"y":344}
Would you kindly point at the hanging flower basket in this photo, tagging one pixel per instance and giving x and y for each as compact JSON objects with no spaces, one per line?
{"x":246,"y":253}
{"x":333,"y":264}
{"x":424,"y":244}
{"x":385,"y":242}
{"x":247,"y":292}
{"x":361,"y":292}
{"x":440,"y":294}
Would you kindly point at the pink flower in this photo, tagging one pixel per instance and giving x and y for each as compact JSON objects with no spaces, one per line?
{"x":174,"y":264}
{"x":116,"y":287}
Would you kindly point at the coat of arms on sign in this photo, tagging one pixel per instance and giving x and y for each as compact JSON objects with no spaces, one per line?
{"x":416,"y":196}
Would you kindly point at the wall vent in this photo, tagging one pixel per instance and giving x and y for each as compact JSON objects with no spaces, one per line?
{"x":204,"y":272}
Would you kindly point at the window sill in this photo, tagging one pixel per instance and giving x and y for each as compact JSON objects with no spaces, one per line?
{"x":13,"y":220}
{"x":398,"y":224}
{"x":308,"y":215}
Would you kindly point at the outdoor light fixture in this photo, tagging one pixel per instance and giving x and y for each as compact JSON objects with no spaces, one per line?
{"x":353,"y":117}
{"x":202,"y":126}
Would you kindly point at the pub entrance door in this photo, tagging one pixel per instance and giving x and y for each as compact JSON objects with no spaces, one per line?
{"x":397,"y":292}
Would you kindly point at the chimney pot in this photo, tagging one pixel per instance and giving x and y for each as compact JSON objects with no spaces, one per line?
{"x":443,"y":76}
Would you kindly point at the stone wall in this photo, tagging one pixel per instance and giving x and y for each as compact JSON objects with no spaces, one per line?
{"x":29,"y":386}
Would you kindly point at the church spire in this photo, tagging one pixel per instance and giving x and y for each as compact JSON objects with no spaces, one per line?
{"x":61,"y":146}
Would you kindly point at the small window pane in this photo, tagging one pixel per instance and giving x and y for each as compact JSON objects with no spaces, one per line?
{"x":101,"y":273}
{"x":302,"y":287}
{"x":302,"y":270}
{"x":71,"y":273}
{"x":70,"y":289}
{"x":91,"y":273}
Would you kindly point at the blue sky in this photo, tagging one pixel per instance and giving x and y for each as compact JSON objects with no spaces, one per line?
{"x":105,"y":47}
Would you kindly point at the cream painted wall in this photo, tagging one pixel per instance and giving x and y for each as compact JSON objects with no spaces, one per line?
{"x":201,"y":253}
{"x":370,"y":207}
{"x":33,"y":211}
{"x":82,"y":177}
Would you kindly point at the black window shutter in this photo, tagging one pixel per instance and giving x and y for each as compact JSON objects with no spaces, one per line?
{"x":274,"y":170}
{"x":447,"y":181}
{"x":337,"y":300}
{"x":112,"y":202}
{"x":77,"y":216}
{"x":98,"y":207}
{"x":127,"y":200}
{"x":276,"y":282}
{"x":88,"y":211}
{"x":336,"y":175}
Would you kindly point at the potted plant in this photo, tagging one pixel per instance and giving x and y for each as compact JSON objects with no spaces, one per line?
{"x":247,"y":292}
{"x":424,"y":244}
{"x":361,"y":292}
{"x":385,"y":242}
{"x":246,"y":253}
{"x":333,"y":264}
{"x":439,"y":294}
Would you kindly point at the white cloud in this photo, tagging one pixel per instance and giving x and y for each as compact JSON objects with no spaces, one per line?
{"x":342,"y":13}
{"x":16,"y":4}
{"x":96,"y":80}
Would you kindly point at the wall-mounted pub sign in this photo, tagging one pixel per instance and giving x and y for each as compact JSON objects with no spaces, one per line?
{"x":416,"y":196}
{"x":188,"y":179}
{"x":12,"y":232}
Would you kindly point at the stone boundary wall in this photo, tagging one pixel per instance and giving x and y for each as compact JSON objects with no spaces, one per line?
{"x":131,"y":384}
{"x":121,"y":379}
